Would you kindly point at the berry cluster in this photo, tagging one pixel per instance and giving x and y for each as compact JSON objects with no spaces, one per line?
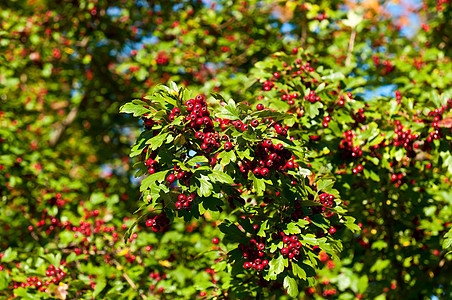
{"x":157,"y":277}
{"x":268,"y":157}
{"x":346,"y":147}
{"x":404,"y":139}
{"x":199,"y":116}
{"x":254,"y":254}
{"x":326,"y":120}
{"x":290,"y":98}
{"x":152,"y":164}
{"x":398,"y":96}
{"x":327,"y":200}
{"x":280,"y":130}
{"x":159,"y":223}
{"x":162,"y":59}
{"x":54,"y":275}
{"x":359,"y":117}
{"x":268,"y":85}
{"x":184,"y":201}
{"x":342,"y":99}
{"x":292,"y":247}
{"x":182,"y":176}
{"x":397,"y":179}
{"x":312,"y":97}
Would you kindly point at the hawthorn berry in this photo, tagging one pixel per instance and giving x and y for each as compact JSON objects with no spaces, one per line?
{"x":228,"y":146}
{"x":171,"y":178}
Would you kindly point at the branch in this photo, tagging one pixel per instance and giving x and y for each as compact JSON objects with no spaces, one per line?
{"x":70,"y":118}
{"x":351,"y":44}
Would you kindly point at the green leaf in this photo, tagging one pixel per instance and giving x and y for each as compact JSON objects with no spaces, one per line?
{"x":218,"y":97}
{"x":321,"y":87}
{"x":9,"y":255}
{"x":259,"y":184}
{"x":334,"y":76}
{"x":263,"y":228}
{"x":350,"y":224}
{"x":156,"y":177}
{"x":325,"y":185}
{"x":380,"y":264}
{"x":276,"y":266}
{"x":292,"y":228}
{"x":363,"y":283}
{"x":447,"y":242}
{"x":312,"y":109}
{"x":23,"y":294}
{"x":291,"y":286}
{"x":157,"y":141}
{"x":298,"y":271}
{"x":4,"y":280}
{"x":136,"y":110}
{"x":399,"y":155}
{"x":226,"y":157}
{"x":101,"y":283}
{"x":205,"y":186}
{"x":221,"y":177}
{"x":448,"y":163}
{"x":197,"y":160}
{"x":229,"y":111}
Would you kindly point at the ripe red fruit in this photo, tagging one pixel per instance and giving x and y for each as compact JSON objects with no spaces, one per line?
{"x":215,"y":241}
{"x":285,"y":251}
{"x":254,"y":123}
{"x":294,"y":50}
{"x":276,"y":75}
{"x":264,"y":172}
{"x":228,"y":146}
{"x":325,"y":124}
{"x":332,"y":230}
{"x":178,"y":205}
{"x":260,"y":106}
{"x":148,"y":248}
{"x":171,"y":178}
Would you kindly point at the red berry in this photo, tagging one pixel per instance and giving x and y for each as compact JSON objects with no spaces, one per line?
{"x":227,"y":146}
{"x":215,"y":241}
{"x":171,"y":178}
{"x":260,"y":106}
